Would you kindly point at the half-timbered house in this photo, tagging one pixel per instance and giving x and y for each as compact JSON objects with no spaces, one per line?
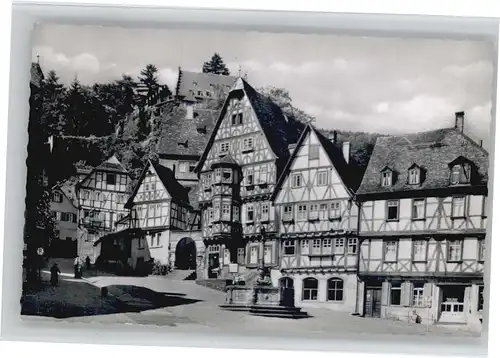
{"x":102,"y":195}
{"x":238,"y":172}
{"x":314,"y":200}
{"x":158,"y":209}
{"x":64,"y":208}
{"x":422,"y":227}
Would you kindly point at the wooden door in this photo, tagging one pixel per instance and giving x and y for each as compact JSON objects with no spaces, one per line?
{"x":213,"y":263}
{"x":373,"y":302}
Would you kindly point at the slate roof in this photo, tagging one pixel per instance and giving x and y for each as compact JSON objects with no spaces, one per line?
{"x":167,"y":177}
{"x":36,"y":74}
{"x":433,"y":151}
{"x":195,"y":81}
{"x":182,"y":136}
{"x":68,"y":187}
{"x":112,"y":164}
{"x":279,"y":130}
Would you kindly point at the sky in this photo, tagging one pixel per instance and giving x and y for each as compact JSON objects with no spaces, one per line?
{"x":385,"y":85}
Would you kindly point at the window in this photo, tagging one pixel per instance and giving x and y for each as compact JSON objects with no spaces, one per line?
{"x":192,"y":167}
{"x":339,"y":246}
{"x":226,"y":176}
{"x":414,"y":176}
{"x":482,"y":248}
{"x":322,"y":178}
{"x":313,"y":151}
{"x":248,"y":144}
{"x":110,"y":179}
{"x":224,"y":147}
{"x":289,"y":247}
{"x":253,"y":255}
{"x":226,"y":212}
{"x":236,"y":214}
{"x":418,"y":295}
{"x":304,"y":247}
{"x":323,"y":211}
{"x":310,"y":289}
{"x":418,"y":209}
{"x":237,"y":119}
{"x":455,"y":250}
{"x":458,"y":206}
{"x":420,"y":251}
{"x":206,"y":180}
{"x":335,"y":289}
{"x":480,"y":298}
{"x":183,"y":167}
{"x":392,"y":210}
{"x":216,"y":212}
{"x":263,"y":175}
{"x":57,"y":197}
{"x":390,"y":251}
{"x":301,"y":212}
{"x":250,"y":213}
{"x":217,"y":174}
{"x":264,"y":212}
{"x":140,"y":243}
{"x":387,"y":178}
{"x":287,"y":213}
{"x":395,"y":294}
{"x":268,"y":254}
{"x":335,"y":210}
{"x":316,"y":246}
{"x":85,"y":195}
{"x":241,"y":255}
{"x":352,"y":245}
{"x":249,"y":178}
{"x":313,"y":212}
{"x":296,"y":181}
{"x":460,"y":174}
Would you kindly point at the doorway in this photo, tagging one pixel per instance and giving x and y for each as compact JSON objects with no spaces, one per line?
{"x":373,"y":302}
{"x":452,"y":304}
{"x":185,"y":254}
{"x":287,"y":292}
{"x":213,"y":264}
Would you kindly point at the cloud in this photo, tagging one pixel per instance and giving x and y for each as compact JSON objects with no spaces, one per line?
{"x":168,"y":76}
{"x":83,"y":62}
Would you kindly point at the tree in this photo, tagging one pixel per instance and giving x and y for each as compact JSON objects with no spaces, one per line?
{"x":215,"y":65}
{"x":53,"y":105}
{"x":149,"y":77}
{"x":282,"y":98}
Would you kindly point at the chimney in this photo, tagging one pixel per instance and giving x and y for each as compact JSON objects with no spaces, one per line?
{"x":189,"y":111}
{"x":346,"y":150}
{"x":333,"y":137}
{"x":459,"y":121}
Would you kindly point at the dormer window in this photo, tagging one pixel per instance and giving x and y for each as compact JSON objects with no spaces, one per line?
{"x":460,"y":174}
{"x":414,"y":175}
{"x":387,"y":177}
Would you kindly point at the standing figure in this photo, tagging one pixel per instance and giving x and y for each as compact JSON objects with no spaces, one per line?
{"x":76,"y":263}
{"x":87,"y":263}
{"x":54,"y":274}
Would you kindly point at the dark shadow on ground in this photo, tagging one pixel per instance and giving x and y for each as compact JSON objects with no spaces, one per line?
{"x":79,"y":298}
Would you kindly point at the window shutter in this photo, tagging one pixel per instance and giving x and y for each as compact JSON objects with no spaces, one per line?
{"x":406,"y":294}
{"x":427,"y":293}
{"x":386,"y":287}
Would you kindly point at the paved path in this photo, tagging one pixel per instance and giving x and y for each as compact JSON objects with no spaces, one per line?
{"x":189,"y":304}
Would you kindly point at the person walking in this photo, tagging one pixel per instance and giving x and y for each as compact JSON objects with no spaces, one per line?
{"x":54,"y":274}
{"x":76,"y":265}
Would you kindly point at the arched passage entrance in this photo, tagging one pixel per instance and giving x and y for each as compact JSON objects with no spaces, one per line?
{"x":185,"y":254}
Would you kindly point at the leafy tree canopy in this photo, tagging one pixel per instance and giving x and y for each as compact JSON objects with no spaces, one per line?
{"x":215,"y":65}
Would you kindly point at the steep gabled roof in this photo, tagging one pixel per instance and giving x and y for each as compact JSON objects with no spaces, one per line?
{"x":432,"y":151}
{"x":188,"y":83}
{"x":167,"y":178}
{"x":112,"y":164}
{"x":184,"y":136}
{"x":334,"y":154}
{"x":68,"y":188}
{"x":279,"y":130}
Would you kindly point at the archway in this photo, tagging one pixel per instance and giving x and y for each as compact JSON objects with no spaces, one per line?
{"x":185,"y":254}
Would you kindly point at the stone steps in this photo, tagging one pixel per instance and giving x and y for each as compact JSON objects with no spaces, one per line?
{"x":278,"y":312}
